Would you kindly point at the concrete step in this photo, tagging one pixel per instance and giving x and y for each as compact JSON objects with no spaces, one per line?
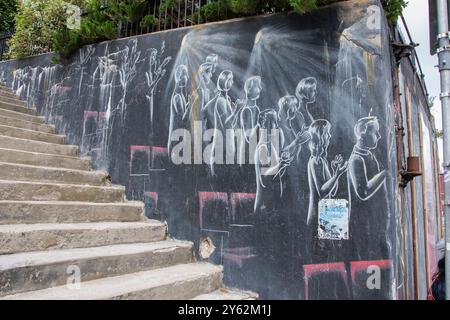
{"x":8,"y":93}
{"x":39,"y":191}
{"x":178,"y":282}
{"x":31,"y":134}
{"x":15,"y":238}
{"x":23,"y":172}
{"x":44,"y":159}
{"x":27,"y":212}
{"x":17,"y":108}
{"x":37,"y":146}
{"x":39,"y":270}
{"x":228,"y":294}
{"x":14,"y":100}
{"x":21,"y":116}
{"x":12,"y":122}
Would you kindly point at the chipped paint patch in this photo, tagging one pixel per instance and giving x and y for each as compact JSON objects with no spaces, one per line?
{"x":206,"y":248}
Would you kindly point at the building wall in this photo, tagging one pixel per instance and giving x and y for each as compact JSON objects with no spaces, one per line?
{"x":422,"y":207}
{"x":323,"y":218}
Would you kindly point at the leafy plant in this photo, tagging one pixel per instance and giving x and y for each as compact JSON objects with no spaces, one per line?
{"x":129,"y":10}
{"x":167,"y":5}
{"x":393,"y":9}
{"x":40,"y":24}
{"x":244,"y":7}
{"x":148,"y":21}
{"x":214,"y":11}
{"x":303,"y":6}
{"x":36,"y":23}
{"x":99,"y":24}
{"x":8,"y":9}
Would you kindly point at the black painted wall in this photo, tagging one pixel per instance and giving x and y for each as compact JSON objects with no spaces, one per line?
{"x":121,"y":100}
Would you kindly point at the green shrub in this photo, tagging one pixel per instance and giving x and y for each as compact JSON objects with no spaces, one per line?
{"x":8,"y":9}
{"x":214,"y":11}
{"x":303,"y":6}
{"x":244,"y":7}
{"x":393,"y":9}
{"x":129,"y":10}
{"x":40,"y":24}
{"x":98,"y":25}
{"x":35,"y":26}
{"x":148,"y":21}
{"x":168,"y":5}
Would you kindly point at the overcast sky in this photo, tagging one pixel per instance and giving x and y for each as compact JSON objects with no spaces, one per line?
{"x":416,"y":16}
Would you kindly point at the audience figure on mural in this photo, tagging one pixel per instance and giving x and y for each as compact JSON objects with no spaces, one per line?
{"x":179,"y":105}
{"x":212,"y":59}
{"x":365,"y":182}
{"x":221,"y":107}
{"x":306,"y":93}
{"x":247,"y":112}
{"x":203,"y":94}
{"x":290,"y":119}
{"x":323,"y":183}
{"x":365,"y":176}
{"x":270,"y":167}
{"x":156,"y":71}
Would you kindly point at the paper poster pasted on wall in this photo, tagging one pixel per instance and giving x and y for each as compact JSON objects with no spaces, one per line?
{"x":333,"y":219}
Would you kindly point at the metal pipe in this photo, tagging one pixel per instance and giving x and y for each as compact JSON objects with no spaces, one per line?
{"x":444,"y":69}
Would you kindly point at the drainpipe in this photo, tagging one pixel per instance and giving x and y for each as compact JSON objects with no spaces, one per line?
{"x":444,"y":69}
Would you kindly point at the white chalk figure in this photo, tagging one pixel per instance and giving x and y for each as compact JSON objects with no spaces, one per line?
{"x":203,"y":94}
{"x":270,"y":167}
{"x":364,"y":175}
{"x":222,"y":111}
{"x":156,"y":71}
{"x":292,"y":123}
{"x":212,"y":59}
{"x":128,"y":59}
{"x":222,"y":102}
{"x":248,"y":115}
{"x":179,"y":106}
{"x":306,"y":93}
{"x":84,"y":57}
{"x":323,"y":183}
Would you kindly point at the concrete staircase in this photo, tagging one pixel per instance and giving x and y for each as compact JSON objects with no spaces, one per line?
{"x":58,"y":219}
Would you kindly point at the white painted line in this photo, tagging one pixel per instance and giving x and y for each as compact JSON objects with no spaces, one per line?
{"x":448,"y":246}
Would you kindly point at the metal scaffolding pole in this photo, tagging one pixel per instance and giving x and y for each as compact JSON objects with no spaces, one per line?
{"x":444,"y":69}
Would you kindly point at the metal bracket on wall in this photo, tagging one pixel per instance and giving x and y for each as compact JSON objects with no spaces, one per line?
{"x":444,"y":95}
{"x":407,"y":177}
{"x":402,"y":50}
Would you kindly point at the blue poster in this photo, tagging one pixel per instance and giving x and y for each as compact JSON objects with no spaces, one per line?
{"x":333,"y":219}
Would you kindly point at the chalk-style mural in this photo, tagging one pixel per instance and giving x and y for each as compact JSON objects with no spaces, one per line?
{"x":156,"y":71}
{"x":284,"y":110}
{"x":323,"y":182}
